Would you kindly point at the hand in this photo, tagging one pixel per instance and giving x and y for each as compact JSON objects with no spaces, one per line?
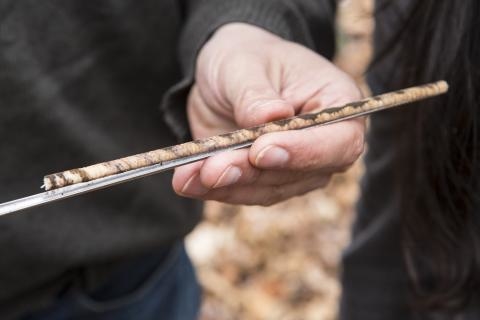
{"x":246,"y":76}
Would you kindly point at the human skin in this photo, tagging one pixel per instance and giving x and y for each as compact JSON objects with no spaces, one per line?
{"x":246,"y":76}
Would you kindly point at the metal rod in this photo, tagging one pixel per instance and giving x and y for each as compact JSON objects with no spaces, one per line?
{"x":84,"y":187}
{"x":242,"y":136}
{"x":77,"y":181}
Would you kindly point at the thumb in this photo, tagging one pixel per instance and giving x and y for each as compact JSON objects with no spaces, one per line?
{"x":254,"y":99}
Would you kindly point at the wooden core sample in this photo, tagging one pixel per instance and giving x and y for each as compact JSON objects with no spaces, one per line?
{"x":239,"y":137}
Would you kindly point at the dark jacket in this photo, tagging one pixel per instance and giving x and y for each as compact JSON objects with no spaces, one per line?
{"x":82,"y":82}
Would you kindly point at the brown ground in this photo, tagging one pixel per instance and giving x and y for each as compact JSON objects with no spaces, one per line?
{"x":282,"y":262}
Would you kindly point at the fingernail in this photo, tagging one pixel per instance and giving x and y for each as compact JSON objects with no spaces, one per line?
{"x":194,"y":187}
{"x":272,"y":157}
{"x":228,"y":177}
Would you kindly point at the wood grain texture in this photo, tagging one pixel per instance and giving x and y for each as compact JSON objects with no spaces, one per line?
{"x":228,"y":140}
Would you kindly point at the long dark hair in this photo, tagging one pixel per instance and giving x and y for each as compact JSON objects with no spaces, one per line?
{"x":439,"y":168}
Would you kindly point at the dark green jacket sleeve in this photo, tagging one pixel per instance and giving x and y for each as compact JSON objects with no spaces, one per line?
{"x":308,"y":22}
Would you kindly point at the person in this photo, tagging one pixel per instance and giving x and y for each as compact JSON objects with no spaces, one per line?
{"x":415,"y":250}
{"x":82,"y":82}
{"x":421,"y":239}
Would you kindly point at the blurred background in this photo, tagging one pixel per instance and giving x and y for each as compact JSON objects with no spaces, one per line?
{"x":282,"y":262}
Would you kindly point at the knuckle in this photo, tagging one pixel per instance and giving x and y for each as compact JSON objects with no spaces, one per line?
{"x":358,"y":145}
{"x":267,"y":202}
{"x":250,"y":96}
{"x":254,"y":176}
{"x":344,"y":168}
{"x":219,"y":196}
{"x":356,"y":148}
{"x":325,"y":180}
{"x":276,"y":194}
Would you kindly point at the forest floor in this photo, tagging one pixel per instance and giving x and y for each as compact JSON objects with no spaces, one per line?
{"x":282,"y":262}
